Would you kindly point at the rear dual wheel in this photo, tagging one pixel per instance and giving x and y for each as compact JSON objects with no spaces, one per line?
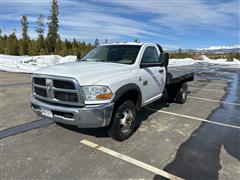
{"x":178,"y":93}
{"x":181,"y":97}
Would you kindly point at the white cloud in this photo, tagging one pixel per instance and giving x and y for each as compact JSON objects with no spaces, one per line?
{"x":116,"y":19}
{"x":183,"y":15}
{"x":77,"y":19}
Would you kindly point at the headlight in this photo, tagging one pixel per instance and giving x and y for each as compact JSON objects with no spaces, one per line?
{"x":93,"y":93}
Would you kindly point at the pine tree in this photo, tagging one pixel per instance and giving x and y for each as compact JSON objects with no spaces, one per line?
{"x":25,"y":37}
{"x":33,"y":48}
{"x":179,"y":50}
{"x":53,"y":27}
{"x":40,"y":32}
{"x":75,"y":47}
{"x":12,"y":47}
{"x":96,"y":43}
{"x":1,"y":43}
{"x":59,"y":48}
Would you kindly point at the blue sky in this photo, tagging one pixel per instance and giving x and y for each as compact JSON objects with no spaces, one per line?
{"x":174,"y":23}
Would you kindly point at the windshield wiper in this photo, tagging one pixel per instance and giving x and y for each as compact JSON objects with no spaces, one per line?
{"x":97,"y":60}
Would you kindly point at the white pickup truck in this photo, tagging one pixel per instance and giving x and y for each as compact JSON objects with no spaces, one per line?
{"x":107,"y":87}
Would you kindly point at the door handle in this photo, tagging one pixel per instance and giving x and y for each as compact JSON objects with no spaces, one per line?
{"x":160,"y":71}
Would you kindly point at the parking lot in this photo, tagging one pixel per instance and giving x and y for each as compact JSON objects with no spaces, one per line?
{"x":197,"y":140}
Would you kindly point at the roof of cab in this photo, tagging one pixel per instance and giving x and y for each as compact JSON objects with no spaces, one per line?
{"x":123,"y":43}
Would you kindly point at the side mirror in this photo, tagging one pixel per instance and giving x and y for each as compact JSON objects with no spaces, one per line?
{"x":78,"y":56}
{"x":164,"y":59}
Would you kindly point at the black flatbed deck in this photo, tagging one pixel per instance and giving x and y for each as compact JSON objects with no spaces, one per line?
{"x":177,"y":74}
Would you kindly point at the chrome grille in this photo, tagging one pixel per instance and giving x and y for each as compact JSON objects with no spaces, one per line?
{"x":66,"y":96}
{"x":63,"y":84}
{"x":57,"y":89}
{"x":39,"y":81}
{"x":40,"y":91}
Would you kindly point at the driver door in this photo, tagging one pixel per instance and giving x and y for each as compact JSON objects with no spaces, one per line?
{"x":153,"y":78}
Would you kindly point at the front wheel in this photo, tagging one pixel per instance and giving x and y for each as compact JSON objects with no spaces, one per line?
{"x":124,"y":122}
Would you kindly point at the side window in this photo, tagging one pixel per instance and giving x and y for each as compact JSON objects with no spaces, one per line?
{"x":150,"y":55}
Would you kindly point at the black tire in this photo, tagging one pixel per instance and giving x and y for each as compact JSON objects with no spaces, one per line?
{"x":171,"y":94}
{"x":181,"y":97}
{"x":116,"y":130}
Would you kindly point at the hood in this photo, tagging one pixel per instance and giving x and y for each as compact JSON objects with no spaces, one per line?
{"x":87,"y":73}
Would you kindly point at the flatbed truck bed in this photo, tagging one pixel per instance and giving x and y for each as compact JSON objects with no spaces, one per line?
{"x":179,"y":74}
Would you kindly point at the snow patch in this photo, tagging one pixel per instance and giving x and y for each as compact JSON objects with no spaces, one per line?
{"x":181,"y":62}
{"x":235,"y":63}
{"x":29,"y":64}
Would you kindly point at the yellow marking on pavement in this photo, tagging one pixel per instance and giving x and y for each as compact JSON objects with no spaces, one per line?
{"x":195,"y":118}
{"x":131,"y":160}
{"x":212,"y":100}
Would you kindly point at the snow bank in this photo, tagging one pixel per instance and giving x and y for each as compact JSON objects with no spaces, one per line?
{"x":28,"y":64}
{"x":222,"y":61}
{"x":235,"y":63}
{"x":182,"y":62}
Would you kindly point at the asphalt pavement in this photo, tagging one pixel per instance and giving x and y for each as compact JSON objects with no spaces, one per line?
{"x":197,"y":140}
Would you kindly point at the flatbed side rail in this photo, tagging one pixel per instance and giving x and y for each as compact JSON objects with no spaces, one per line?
{"x":183,"y":78}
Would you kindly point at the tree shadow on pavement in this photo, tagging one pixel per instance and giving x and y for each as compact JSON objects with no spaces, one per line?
{"x":199,"y":156}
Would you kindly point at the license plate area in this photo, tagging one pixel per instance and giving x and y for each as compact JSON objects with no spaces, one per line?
{"x":47,"y":113}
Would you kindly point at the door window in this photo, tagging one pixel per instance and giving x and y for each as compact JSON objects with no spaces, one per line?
{"x":150,"y":55}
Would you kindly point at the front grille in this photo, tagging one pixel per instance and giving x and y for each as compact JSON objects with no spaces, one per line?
{"x":63,"y":84}
{"x":65,"y":96}
{"x":57,"y":90}
{"x":39,"y":81}
{"x":40,"y":91}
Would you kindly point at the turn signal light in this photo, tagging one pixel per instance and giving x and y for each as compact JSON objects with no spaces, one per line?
{"x":104,"y":96}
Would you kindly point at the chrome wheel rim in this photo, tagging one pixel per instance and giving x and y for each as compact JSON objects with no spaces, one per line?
{"x":126,"y":119}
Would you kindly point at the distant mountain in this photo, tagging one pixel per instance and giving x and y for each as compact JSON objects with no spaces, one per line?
{"x":209,"y":50}
{"x":237,"y":46}
{"x":220,"y":49}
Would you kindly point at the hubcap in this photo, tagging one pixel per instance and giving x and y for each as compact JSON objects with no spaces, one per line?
{"x":184,"y":95}
{"x":126,"y":119}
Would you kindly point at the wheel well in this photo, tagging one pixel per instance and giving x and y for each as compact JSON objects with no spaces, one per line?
{"x":130,"y":95}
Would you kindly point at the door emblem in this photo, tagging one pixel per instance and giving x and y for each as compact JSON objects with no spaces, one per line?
{"x":145,"y":83}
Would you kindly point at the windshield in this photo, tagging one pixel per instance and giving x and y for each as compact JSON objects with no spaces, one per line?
{"x":124,"y":54}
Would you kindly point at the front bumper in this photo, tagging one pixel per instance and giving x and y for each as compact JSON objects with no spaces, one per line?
{"x":90,"y":116}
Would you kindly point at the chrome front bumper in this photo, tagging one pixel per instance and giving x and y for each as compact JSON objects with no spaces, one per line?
{"x":89,"y":116}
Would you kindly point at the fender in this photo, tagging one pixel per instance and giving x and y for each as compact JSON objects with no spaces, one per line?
{"x":126,"y":88}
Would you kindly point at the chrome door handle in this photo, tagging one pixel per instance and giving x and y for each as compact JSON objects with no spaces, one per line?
{"x":160,"y":71}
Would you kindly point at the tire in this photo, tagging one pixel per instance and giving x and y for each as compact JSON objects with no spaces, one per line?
{"x":171,"y":94}
{"x":124,"y":122}
{"x":181,"y":97}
